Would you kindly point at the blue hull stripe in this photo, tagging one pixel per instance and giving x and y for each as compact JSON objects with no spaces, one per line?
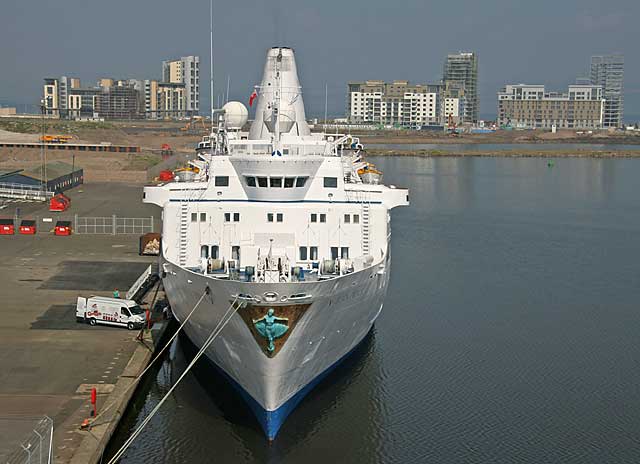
{"x":271,"y":421}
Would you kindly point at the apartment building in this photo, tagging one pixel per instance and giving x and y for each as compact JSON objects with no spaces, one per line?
{"x":119,"y":101}
{"x":532,"y":107}
{"x":185,"y":71}
{"x":397,"y":103}
{"x":462,"y":68}
{"x":171,"y":100}
{"x":607,"y":71}
{"x":63,"y":97}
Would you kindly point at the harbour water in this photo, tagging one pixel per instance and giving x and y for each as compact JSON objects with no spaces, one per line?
{"x":509,"y":334}
{"x":500,"y":147}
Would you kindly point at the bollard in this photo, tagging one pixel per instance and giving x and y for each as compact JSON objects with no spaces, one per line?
{"x":94,"y":400}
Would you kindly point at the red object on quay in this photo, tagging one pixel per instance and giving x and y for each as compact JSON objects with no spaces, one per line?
{"x":59,"y":203}
{"x":62,"y":228}
{"x":28,"y":227}
{"x":7,"y":227}
{"x":94,"y":400}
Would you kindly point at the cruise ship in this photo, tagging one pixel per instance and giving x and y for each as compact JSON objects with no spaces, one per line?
{"x":276,"y":246}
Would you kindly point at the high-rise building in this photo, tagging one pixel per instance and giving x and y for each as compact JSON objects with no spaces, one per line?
{"x":171,"y":100}
{"x":463,"y":68}
{"x":396,"y":103}
{"x":119,"y":101}
{"x":531,"y":107}
{"x":607,"y":71}
{"x":63,"y":97}
{"x":185,"y":71}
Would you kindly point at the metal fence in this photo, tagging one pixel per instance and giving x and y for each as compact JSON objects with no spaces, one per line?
{"x":34,"y":446}
{"x":23,"y":192}
{"x":113,"y":225}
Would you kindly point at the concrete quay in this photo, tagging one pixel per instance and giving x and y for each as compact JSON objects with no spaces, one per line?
{"x":48,"y":362}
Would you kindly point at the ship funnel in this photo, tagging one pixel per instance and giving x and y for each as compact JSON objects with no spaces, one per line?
{"x":280,"y":94}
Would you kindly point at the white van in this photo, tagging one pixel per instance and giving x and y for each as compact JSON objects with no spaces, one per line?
{"x":110,"y":311}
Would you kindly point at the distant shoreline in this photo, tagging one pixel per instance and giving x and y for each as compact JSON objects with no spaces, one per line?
{"x":506,"y":154}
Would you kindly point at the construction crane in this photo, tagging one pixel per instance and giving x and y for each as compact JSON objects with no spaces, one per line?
{"x":193,"y":126}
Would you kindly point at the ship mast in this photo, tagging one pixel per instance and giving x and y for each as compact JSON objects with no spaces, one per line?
{"x":211,"y":60}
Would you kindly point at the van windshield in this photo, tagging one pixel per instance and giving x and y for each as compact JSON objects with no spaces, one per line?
{"x":136,"y":310}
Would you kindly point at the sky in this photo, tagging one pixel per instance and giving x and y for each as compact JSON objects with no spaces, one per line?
{"x":336,"y":41}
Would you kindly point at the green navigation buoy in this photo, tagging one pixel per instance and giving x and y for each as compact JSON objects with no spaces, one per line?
{"x":550,"y":163}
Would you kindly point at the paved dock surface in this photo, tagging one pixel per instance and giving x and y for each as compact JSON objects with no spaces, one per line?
{"x":48,"y":361}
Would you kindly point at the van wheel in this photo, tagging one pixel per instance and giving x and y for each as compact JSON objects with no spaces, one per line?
{"x":93,"y":321}
{"x":130,"y":326}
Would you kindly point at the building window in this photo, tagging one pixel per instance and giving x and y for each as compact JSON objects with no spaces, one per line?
{"x":279,"y":217}
{"x":313,"y":253}
{"x":235,"y":253}
{"x":334,"y":252}
{"x":203,"y":217}
{"x":288,"y":182}
{"x":227,"y":217}
{"x":356,"y":219}
{"x":314,"y":217}
{"x":269,"y":217}
{"x":300,"y":181}
{"x":347,"y":218}
{"x":194,"y":217}
{"x":276,"y":182}
{"x":262,"y":181}
{"x":323,"y":217}
{"x":236,"y":217}
{"x":303,"y":253}
{"x":251,"y":181}
{"x":214,"y":251}
{"x":344,"y":252}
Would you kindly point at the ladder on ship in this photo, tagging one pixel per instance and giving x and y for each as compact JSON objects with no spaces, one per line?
{"x":184,"y":228}
{"x":366,"y":210}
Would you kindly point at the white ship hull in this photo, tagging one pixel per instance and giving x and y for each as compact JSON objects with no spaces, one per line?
{"x":341,"y":313}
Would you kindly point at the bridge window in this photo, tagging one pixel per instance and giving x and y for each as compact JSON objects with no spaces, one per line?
{"x":288,"y":182}
{"x":300,"y":181}
{"x":331,"y":182}
{"x":222,"y":181}
{"x":262,"y":181}
{"x":251,"y":181}
{"x":276,"y":182}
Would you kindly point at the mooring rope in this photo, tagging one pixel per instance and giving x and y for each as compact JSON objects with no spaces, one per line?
{"x":214,"y":333}
{"x":135,"y":382}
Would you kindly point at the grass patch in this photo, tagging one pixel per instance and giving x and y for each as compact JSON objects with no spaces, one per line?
{"x":141,"y":162}
{"x":52,"y":126}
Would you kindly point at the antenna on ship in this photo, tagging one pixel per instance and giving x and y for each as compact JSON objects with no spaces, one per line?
{"x":211,"y":59}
